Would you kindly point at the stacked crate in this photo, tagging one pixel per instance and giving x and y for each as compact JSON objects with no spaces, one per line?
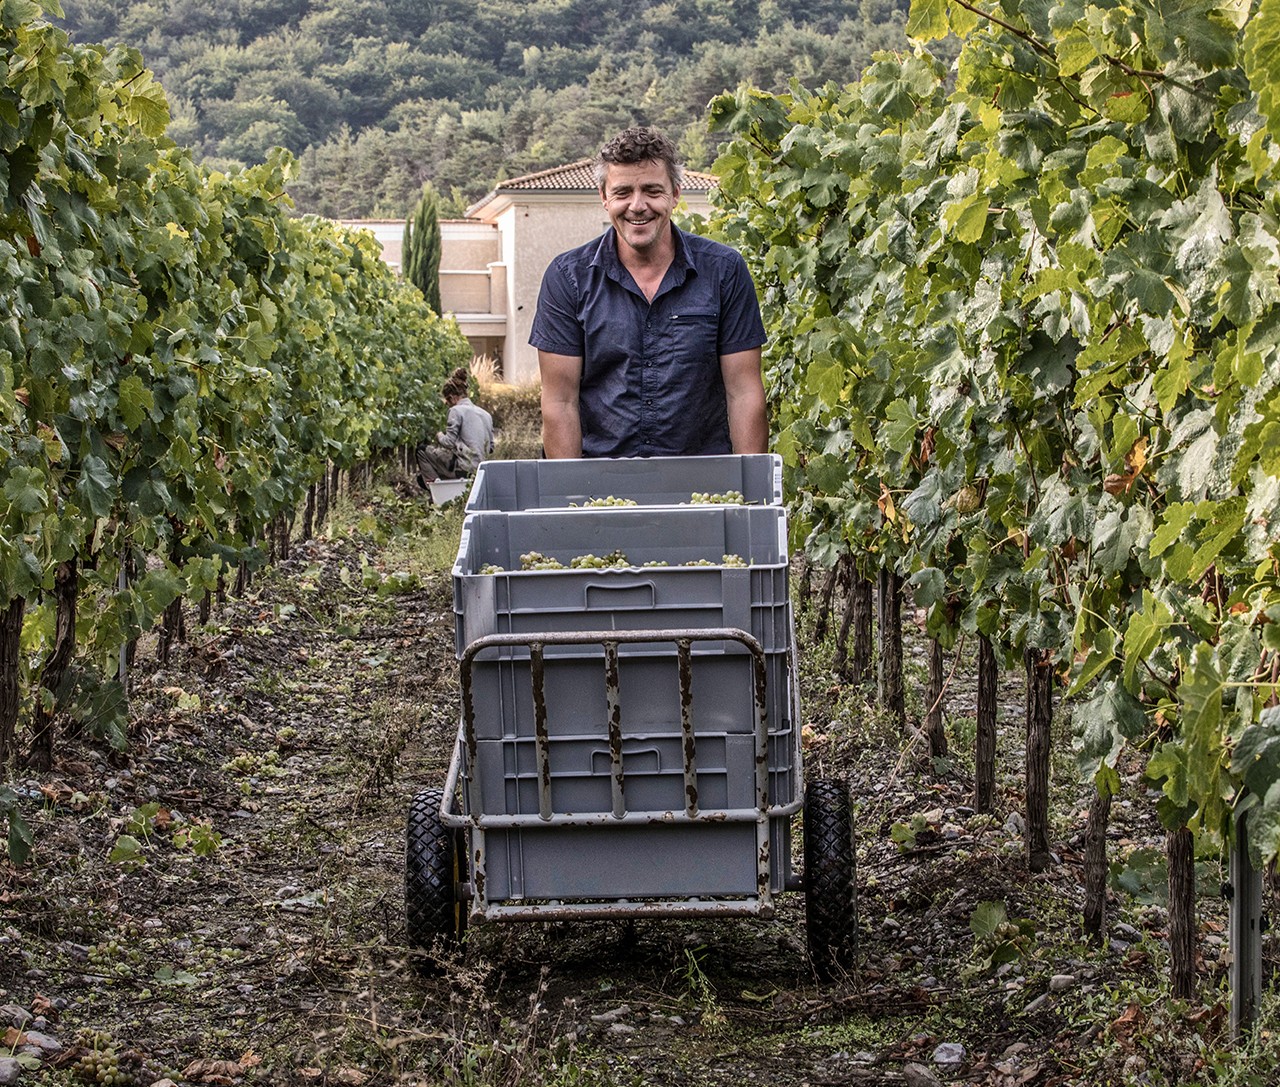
{"x":517,"y":507}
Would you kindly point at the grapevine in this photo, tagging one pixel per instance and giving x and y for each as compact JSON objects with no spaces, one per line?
{"x":1019,"y":353}
{"x":181,"y":359}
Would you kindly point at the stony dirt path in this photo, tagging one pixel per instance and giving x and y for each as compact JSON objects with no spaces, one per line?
{"x":253,"y":930}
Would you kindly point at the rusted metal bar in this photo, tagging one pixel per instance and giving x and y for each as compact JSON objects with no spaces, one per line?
{"x":763,"y":861}
{"x":684,"y":655}
{"x":646,"y":907}
{"x":614,"y":706}
{"x":629,"y":819}
{"x":542,"y":741}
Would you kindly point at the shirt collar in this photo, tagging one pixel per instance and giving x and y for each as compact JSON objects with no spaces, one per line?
{"x":606,"y":255}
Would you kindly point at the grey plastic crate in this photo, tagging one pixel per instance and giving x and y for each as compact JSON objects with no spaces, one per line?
{"x":509,"y":485}
{"x":677,"y":861}
{"x":753,"y":598}
{"x":576,"y":698}
{"x":652,"y":770}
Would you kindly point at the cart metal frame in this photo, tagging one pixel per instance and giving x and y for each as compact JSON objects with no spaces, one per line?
{"x":473,"y":823}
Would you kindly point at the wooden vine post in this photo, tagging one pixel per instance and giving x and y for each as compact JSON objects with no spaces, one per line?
{"x":10,"y":656}
{"x":1039,"y":720}
{"x":889,"y":628}
{"x":1095,"y":864}
{"x":984,"y":776}
{"x":1244,"y":933}
{"x":1180,"y":855}
{"x":934,"y":724}
{"x":66,"y":587}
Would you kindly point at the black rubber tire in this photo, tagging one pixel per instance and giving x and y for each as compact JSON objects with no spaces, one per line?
{"x":434,"y":868}
{"x":830,"y":878}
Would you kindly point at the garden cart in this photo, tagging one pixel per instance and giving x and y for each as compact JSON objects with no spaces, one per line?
{"x":629,"y":741}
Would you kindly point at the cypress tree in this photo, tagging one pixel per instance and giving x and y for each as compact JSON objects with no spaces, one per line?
{"x":420,"y":260}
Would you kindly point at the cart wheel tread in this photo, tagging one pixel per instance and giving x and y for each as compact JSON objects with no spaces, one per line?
{"x":831,"y":905}
{"x":433,"y":867}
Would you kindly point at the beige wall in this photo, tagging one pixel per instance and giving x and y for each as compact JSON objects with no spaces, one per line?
{"x":467,"y":244}
{"x":465,"y":292}
{"x":534,"y":231}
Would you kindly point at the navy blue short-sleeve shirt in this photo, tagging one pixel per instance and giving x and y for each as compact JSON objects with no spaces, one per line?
{"x":651,"y":381}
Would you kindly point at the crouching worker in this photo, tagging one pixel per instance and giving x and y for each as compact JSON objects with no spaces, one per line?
{"x":466,"y":440}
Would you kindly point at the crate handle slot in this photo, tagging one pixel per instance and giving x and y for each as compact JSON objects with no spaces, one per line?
{"x":629,"y":760}
{"x":602,"y":596}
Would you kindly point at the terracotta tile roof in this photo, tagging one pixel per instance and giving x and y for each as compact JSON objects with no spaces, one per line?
{"x":577,"y":177}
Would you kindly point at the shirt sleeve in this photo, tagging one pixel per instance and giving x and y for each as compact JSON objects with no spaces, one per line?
{"x":556,"y":327}
{"x":452,"y":430}
{"x":741,"y":327}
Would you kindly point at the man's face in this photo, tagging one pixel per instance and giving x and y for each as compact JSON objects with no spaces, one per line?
{"x":639,"y":198}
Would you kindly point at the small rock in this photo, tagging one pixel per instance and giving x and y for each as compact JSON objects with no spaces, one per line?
{"x":613,"y":1015}
{"x":1061,"y":981}
{"x":948,"y":1055}
{"x":15,"y":1016}
{"x":917,"y":1075}
{"x":45,"y":1042}
{"x":1128,"y":932}
{"x":621,"y":1028}
{"x":1036,"y":1004}
{"x":1015,"y":824}
{"x":10,"y":1070}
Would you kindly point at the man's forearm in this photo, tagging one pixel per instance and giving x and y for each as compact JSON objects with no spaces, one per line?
{"x":561,"y":431}
{"x":745,"y":400}
{"x":749,"y":427}
{"x":561,"y":417}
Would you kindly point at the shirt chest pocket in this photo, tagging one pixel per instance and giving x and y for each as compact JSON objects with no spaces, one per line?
{"x":695,"y":334}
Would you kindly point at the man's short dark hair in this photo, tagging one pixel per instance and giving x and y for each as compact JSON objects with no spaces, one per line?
{"x":639,"y":144}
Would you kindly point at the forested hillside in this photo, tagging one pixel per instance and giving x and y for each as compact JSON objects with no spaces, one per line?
{"x":377,"y":96}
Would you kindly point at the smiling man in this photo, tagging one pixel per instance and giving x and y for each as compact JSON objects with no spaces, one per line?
{"x":648,"y":337}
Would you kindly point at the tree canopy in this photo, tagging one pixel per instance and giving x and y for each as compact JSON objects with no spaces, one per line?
{"x":377,"y":96}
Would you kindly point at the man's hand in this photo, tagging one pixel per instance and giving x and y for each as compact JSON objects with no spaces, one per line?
{"x":561,"y":421}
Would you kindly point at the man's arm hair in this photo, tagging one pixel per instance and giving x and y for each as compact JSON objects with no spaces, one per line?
{"x":561,"y":420}
{"x":744,"y":393}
